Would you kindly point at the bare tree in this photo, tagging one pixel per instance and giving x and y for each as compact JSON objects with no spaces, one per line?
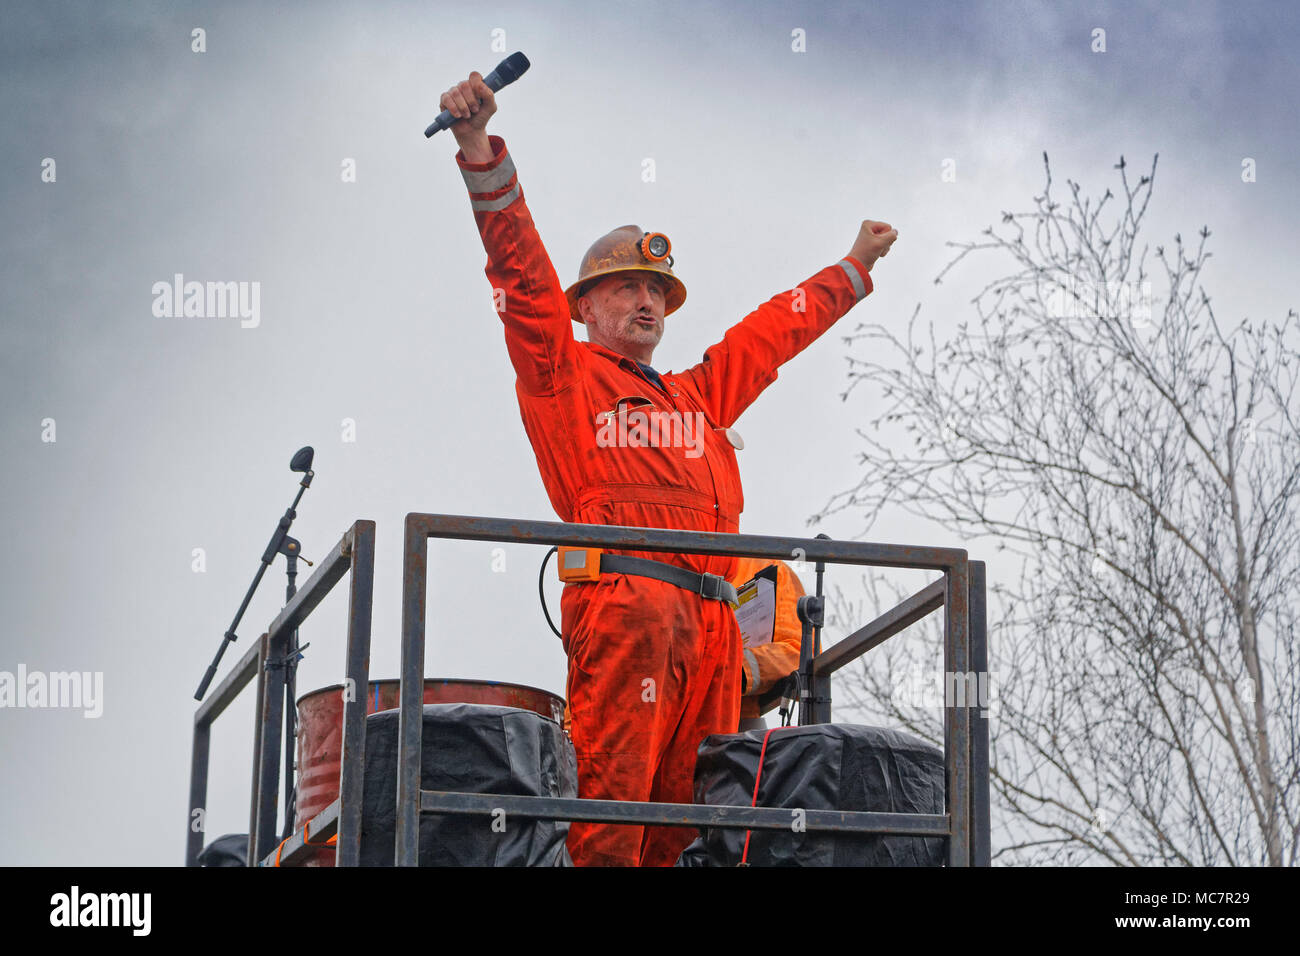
{"x":1140,"y":468}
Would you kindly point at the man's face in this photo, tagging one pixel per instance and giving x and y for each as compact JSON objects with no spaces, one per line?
{"x":625,"y":312}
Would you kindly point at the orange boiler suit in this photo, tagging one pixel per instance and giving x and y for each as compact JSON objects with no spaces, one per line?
{"x":652,"y":668}
{"x":763,"y":666}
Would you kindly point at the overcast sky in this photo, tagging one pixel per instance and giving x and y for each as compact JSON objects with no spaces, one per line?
{"x":173,"y":434}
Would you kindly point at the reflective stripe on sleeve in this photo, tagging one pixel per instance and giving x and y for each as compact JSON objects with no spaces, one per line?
{"x":495,"y":205}
{"x":751,"y":671}
{"x":859,"y":289}
{"x":488,"y":180}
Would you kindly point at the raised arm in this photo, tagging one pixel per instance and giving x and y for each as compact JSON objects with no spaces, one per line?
{"x":736,"y":370}
{"x":525,"y":289}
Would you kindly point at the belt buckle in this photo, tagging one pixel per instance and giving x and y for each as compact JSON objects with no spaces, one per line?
{"x":717,"y":586}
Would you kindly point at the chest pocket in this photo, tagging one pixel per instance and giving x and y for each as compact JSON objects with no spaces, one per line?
{"x":624,"y":405}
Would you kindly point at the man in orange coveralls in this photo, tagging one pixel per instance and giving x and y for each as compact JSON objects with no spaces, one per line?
{"x":654,"y":650}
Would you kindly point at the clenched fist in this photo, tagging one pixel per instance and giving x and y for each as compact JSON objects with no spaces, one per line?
{"x":874,"y":240}
{"x":472,"y":102}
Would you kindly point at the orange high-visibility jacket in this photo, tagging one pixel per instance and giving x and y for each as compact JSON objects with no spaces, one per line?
{"x":766,"y":664}
{"x":565,"y":387}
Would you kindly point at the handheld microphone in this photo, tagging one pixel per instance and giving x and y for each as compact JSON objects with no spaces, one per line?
{"x":508,"y":70}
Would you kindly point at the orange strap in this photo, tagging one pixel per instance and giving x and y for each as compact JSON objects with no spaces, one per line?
{"x":744,"y":856}
{"x":306,"y":841}
{"x":306,"y":837}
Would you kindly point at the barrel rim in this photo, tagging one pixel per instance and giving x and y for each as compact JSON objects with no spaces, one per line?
{"x":450,"y":680}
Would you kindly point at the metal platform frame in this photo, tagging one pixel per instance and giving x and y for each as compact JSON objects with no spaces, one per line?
{"x":960,"y":592}
{"x":264,"y":661}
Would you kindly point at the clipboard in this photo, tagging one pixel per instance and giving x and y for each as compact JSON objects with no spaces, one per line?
{"x":756,"y":608}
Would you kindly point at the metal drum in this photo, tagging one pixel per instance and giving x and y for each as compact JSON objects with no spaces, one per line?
{"x":320,"y":731}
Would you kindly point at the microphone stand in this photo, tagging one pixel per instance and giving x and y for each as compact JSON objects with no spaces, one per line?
{"x":275,"y":547}
{"x":280,"y":543}
{"x":814,"y":696}
{"x":291,"y":549}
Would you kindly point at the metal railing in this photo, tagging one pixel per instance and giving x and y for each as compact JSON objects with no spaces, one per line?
{"x":265,"y":661}
{"x":965,"y":822}
{"x":961,"y":592}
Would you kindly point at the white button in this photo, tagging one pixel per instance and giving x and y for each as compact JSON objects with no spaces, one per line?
{"x":733,"y":437}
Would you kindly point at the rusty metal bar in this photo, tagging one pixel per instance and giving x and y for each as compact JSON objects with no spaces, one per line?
{"x":981,"y":839}
{"x":198,"y":793}
{"x":472,"y":528}
{"x":263,"y":645}
{"x":956,"y":736}
{"x":295,"y":849}
{"x":913,"y":609}
{"x":229,"y":689}
{"x":682,"y":814}
{"x":410,"y":718}
{"x":361,"y":541}
{"x":269,"y":741}
{"x":208,"y":711}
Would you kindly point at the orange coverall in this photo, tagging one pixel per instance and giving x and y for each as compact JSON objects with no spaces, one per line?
{"x":653,"y":669}
{"x":766,"y":664}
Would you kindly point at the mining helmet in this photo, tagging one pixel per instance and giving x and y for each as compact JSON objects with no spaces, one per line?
{"x":628,"y":249}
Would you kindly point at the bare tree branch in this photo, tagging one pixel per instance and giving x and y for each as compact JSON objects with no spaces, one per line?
{"x":1144,"y":465}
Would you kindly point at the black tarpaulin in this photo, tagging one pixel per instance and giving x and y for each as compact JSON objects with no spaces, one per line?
{"x":228,"y":850}
{"x":819,"y":767}
{"x":473,"y":748}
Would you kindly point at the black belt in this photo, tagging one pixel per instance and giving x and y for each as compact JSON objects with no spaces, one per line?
{"x":712,"y":587}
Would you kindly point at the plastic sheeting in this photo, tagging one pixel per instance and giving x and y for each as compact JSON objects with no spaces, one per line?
{"x":819,"y":767}
{"x":472,"y":748}
{"x":228,"y":850}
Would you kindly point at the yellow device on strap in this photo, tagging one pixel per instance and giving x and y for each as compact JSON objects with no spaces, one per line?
{"x":578,"y":564}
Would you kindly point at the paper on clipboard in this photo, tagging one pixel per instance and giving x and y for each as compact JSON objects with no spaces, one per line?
{"x":756,"y":610}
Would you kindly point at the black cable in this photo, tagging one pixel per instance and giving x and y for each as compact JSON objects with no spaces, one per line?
{"x":541,"y":576}
{"x":791,"y":692}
